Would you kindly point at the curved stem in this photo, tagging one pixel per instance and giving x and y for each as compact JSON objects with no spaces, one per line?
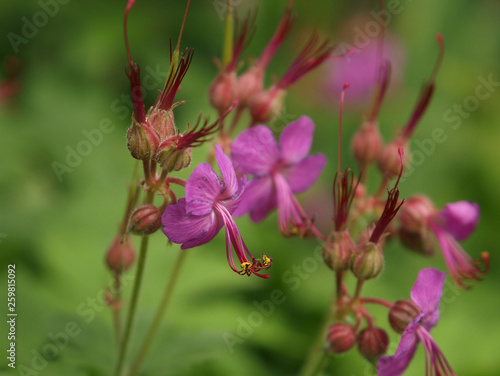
{"x":125,"y":343}
{"x":153,"y":329}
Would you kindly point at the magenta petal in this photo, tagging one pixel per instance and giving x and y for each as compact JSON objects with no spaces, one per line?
{"x":255,"y":151}
{"x":187,"y":229}
{"x":305,"y":173}
{"x":296,"y":140}
{"x":258,"y":198}
{"x":228,"y":174}
{"x":460,"y":218}
{"x":202,"y":189}
{"x":396,"y":364}
{"x":426,"y":292}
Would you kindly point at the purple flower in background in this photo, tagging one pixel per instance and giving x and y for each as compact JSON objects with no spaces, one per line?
{"x":209,"y":204}
{"x":279,"y":170}
{"x":455,"y":222}
{"x":426,"y":294}
{"x":360,"y":68}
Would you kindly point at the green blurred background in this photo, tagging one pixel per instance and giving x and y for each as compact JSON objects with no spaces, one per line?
{"x":56,"y":231}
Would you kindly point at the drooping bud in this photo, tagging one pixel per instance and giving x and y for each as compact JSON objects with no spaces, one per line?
{"x":340,"y":338}
{"x":145,"y":220}
{"x":121,"y":254}
{"x":366,"y":143}
{"x":368,"y":262}
{"x":372,"y":343}
{"x":415,"y":213}
{"x":389,"y":161}
{"x":142,"y":141}
{"x":223,"y":91}
{"x":402,"y":313}
{"x":337,"y":251}
{"x":171,"y":158}
{"x":266,"y":105}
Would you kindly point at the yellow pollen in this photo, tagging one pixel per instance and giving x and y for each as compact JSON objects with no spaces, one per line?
{"x":265,"y":260}
{"x":245,"y":266}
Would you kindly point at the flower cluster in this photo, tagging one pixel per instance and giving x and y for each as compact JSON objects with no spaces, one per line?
{"x":260,"y":174}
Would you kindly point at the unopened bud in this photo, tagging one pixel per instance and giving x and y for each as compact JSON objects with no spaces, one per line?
{"x":163,"y":123}
{"x":144,"y":220}
{"x":367,"y":262}
{"x":373,"y":343}
{"x":402,"y":313}
{"x":172,"y":159}
{"x":414,"y":214}
{"x":418,"y":241}
{"x":340,"y":338}
{"x":389,"y":160}
{"x":266,"y":104}
{"x":223,"y":91}
{"x":337,"y":251}
{"x":121,"y":254}
{"x":249,"y":84}
{"x":142,"y":141}
{"x":366,"y":143}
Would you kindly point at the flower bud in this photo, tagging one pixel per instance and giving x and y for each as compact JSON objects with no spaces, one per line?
{"x":266,"y":104}
{"x":368,"y":262}
{"x":144,"y":220}
{"x":337,"y":251}
{"x":366,"y":143}
{"x":389,"y":161}
{"x":372,"y":343}
{"x":402,"y":313}
{"x":172,"y":159}
{"x":121,"y":254}
{"x":249,"y":84}
{"x":223,"y":91}
{"x":340,"y":338}
{"x":163,"y":123}
{"x":142,"y":141}
{"x":418,"y":241}
{"x":414,"y":213}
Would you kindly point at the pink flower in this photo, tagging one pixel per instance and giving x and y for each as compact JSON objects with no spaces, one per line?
{"x":279,"y":172}
{"x":455,"y":222}
{"x":426,"y":294}
{"x":208,"y":206}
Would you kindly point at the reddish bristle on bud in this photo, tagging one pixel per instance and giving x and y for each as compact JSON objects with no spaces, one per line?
{"x":426,"y":94}
{"x":342,"y":95}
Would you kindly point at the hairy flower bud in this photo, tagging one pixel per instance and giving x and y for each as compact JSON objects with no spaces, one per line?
{"x":389,"y":160}
{"x":372,"y":343}
{"x":144,"y":220}
{"x":415,"y":213}
{"x":172,"y":159}
{"x":249,"y":84}
{"x":418,"y":241}
{"x":223,"y":91}
{"x":121,"y":254}
{"x":368,"y":261}
{"x":163,"y":123}
{"x":366,"y":143}
{"x":402,"y":313}
{"x":340,"y":338}
{"x":337,"y":251}
{"x":142,"y":141}
{"x":266,"y":104}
